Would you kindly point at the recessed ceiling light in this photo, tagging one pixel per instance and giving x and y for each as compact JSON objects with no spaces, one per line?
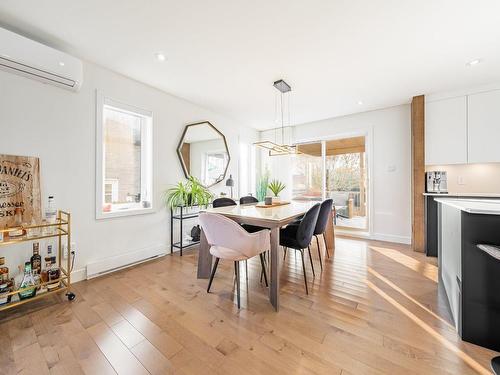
{"x":474,"y":62}
{"x":160,"y":56}
{"x":360,"y":102}
{"x":61,"y":63}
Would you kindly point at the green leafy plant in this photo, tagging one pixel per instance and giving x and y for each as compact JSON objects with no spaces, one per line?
{"x":261,"y":188}
{"x":276,"y":187}
{"x":188,"y":194}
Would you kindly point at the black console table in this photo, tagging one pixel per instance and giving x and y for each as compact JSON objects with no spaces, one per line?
{"x":181,"y":216}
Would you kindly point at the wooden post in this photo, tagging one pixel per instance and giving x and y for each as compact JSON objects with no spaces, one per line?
{"x":418,"y":172}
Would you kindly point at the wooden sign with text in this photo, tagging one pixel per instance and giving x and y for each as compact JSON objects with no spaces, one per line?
{"x":19,"y":187}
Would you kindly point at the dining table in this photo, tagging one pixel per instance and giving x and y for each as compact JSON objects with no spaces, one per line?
{"x":272,"y":218}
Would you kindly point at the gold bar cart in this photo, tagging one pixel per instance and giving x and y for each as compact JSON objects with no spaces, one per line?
{"x":62,"y":228}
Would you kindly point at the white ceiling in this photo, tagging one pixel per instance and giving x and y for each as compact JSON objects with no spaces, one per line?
{"x":225,"y":54}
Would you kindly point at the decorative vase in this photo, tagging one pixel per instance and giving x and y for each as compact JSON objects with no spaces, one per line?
{"x":268,"y":201}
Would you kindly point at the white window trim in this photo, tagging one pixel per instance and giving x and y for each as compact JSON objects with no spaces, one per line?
{"x":102,"y":100}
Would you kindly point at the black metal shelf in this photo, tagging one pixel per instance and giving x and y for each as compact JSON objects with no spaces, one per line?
{"x":181,"y":216}
{"x":189,"y":216}
{"x":185,"y":244}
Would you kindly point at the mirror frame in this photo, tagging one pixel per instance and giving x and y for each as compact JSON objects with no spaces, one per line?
{"x":179,"y":153}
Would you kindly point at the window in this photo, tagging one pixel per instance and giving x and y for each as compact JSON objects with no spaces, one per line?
{"x":124,"y":155}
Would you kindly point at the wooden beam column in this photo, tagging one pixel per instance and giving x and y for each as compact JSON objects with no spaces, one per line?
{"x":418,"y":172}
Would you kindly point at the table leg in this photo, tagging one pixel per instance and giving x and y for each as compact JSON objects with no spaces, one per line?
{"x":275,"y":267}
{"x":204,"y":258}
{"x":330,"y":235}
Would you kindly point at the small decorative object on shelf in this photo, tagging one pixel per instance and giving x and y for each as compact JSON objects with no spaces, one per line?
{"x":18,"y":230}
{"x":195,"y":233}
{"x":38,"y":280}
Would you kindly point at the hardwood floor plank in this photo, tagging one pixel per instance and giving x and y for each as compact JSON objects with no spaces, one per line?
{"x":152,"y":359}
{"x":30,"y":360}
{"x":127,"y":333}
{"x":122,"y":360}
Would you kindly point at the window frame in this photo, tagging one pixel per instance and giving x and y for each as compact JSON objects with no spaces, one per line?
{"x":147,"y":162}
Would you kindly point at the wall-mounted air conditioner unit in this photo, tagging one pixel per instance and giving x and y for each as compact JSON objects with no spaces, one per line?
{"x":31,"y":59}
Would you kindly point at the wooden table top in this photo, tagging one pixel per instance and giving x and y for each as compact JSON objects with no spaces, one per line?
{"x":269,"y":214}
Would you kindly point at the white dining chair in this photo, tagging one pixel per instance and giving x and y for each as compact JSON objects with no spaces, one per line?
{"x":229,"y":241}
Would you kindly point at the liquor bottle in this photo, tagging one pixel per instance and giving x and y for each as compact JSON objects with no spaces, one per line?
{"x":36,"y":259}
{"x":28,"y":281}
{"x":45,"y":271}
{"x":50,"y":215}
{"x":53,"y":273}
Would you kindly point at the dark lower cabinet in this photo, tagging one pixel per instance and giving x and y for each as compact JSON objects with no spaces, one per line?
{"x":480,"y":284}
{"x":431,"y":226}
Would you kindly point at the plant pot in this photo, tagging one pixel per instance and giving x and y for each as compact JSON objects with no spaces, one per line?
{"x":276,"y":200}
{"x":268,"y":201}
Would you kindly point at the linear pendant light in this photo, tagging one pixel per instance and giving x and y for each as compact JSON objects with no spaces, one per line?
{"x":276,"y":149}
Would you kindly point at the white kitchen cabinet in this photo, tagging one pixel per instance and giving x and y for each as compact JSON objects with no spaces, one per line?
{"x":484,"y":127}
{"x":446,"y":131}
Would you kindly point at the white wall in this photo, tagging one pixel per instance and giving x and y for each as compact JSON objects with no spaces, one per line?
{"x":389,"y":152}
{"x":58,"y":126}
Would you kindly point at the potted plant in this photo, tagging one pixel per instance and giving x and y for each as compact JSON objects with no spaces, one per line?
{"x":276,"y":188}
{"x":261,"y":188}
{"x":188,"y":194}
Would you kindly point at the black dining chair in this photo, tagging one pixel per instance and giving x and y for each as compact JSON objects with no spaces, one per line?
{"x":248,"y":200}
{"x":495,"y":365}
{"x":223,"y":202}
{"x":324,"y":212}
{"x":298,"y":236}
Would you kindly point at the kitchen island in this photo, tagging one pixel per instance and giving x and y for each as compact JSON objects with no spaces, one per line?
{"x":471,"y":276}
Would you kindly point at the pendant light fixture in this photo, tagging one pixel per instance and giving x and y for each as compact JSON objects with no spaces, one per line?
{"x":275,"y":148}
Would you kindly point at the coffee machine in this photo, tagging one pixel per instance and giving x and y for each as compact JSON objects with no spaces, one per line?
{"x":436,"y":182}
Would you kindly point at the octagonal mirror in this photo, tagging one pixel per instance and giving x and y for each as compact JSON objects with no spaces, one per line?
{"x":203,"y":153}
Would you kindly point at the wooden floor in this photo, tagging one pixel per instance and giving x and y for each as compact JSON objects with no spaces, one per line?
{"x":375,"y":309}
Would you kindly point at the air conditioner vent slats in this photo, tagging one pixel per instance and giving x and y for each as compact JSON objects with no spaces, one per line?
{"x":24,"y":69}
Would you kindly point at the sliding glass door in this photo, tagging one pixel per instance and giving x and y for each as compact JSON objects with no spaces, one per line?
{"x":307,"y":173}
{"x":335,"y":169}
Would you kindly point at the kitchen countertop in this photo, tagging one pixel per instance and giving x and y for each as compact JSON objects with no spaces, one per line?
{"x":458,"y":195}
{"x":473,"y":206}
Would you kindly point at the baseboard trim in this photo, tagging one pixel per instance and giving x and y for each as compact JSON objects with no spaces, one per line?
{"x":119,"y":262}
{"x":376,"y":236}
{"x":78,"y":275}
{"x":391,"y":238}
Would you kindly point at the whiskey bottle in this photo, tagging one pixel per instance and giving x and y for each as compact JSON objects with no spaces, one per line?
{"x":36,"y":259}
